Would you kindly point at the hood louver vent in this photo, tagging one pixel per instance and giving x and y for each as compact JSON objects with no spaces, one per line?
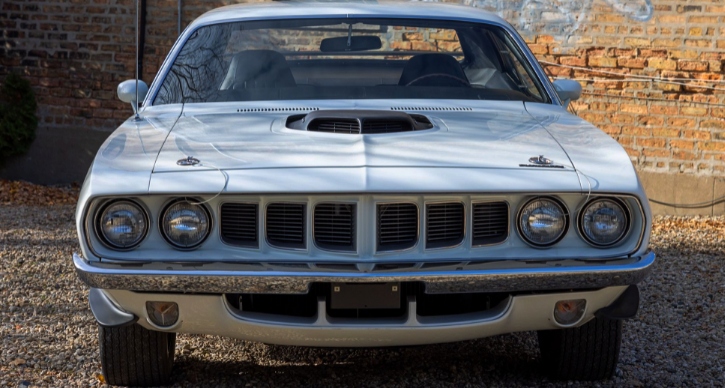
{"x":287,"y":109}
{"x":365,"y":122}
{"x":431,"y":108}
{"x":335,"y":126}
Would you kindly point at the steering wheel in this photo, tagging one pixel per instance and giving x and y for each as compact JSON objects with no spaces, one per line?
{"x":440,"y":75}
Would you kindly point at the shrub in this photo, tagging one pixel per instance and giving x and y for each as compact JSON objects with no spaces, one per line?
{"x":17,"y":116}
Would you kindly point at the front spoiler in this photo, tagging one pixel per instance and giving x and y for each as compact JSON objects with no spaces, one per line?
{"x":268,"y":278}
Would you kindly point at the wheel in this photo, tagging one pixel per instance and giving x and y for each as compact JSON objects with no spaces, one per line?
{"x":588,"y":352}
{"x":133,"y":355}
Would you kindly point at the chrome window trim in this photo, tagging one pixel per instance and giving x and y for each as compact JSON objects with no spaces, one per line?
{"x":259,"y":224}
{"x":356,"y":222}
{"x":165,"y":207}
{"x":103,"y":206}
{"x":305,"y":223}
{"x":465,"y":225}
{"x":508,"y":225}
{"x":628,"y":214}
{"x":567,"y":220}
{"x":376,"y":225}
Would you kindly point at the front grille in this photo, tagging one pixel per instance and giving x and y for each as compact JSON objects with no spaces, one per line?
{"x":444,"y":225}
{"x":334,"y":226}
{"x":286,"y":225}
{"x":335,"y":126}
{"x":490,"y":223}
{"x":239,"y":224}
{"x":385,"y":126}
{"x":397,"y":226}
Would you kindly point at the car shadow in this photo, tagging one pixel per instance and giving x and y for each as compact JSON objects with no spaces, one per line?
{"x":478,"y":362}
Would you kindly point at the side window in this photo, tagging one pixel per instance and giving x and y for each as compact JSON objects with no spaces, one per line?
{"x":513,"y":66}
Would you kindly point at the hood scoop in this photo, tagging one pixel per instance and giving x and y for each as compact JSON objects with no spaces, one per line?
{"x":358,"y":122}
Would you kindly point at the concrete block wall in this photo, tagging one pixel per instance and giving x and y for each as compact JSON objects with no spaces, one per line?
{"x":76,"y":52}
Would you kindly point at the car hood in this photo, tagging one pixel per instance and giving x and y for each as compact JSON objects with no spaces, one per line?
{"x":480,"y":148}
{"x":501,"y":137}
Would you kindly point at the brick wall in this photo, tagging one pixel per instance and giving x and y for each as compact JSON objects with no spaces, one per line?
{"x":676,"y":126}
{"x":76,"y":52}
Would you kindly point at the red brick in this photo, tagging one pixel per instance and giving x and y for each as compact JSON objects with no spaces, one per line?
{"x":665,"y":132}
{"x":682,"y":144}
{"x":602,"y":62}
{"x":681,"y":122}
{"x":712,"y":146}
{"x":699,"y":135}
{"x":651,"y":121}
{"x":573,"y":61}
{"x":636,"y":131}
{"x":662,"y":64}
{"x":684,"y":155}
{"x":652,"y":142}
{"x":713,"y":124}
{"x":693,"y":111}
{"x":635,"y":63}
{"x":656,"y":153}
{"x":692,"y":65}
{"x":632,"y":108}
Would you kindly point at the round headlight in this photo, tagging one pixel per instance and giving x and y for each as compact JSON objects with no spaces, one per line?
{"x":185,"y":225}
{"x":604,"y":222}
{"x":542,"y":222}
{"x":122,"y":225}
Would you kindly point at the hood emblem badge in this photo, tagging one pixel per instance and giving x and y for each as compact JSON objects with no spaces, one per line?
{"x":541,"y":161}
{"x":188,"y":161}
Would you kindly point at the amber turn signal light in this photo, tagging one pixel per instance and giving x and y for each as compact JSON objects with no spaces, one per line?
{"x":163,"y":314}
{"x":569,"y":312}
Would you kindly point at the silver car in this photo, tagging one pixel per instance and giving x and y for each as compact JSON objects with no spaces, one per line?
{"x":351,"y":175}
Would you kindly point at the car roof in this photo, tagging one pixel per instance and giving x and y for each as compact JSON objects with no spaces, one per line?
{"x":319,"y":9}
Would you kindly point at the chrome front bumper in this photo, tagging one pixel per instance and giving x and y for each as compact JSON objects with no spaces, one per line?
{"x":270,"y":278}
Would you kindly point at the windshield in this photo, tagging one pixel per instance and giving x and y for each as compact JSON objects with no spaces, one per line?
{"x":349,"y":59}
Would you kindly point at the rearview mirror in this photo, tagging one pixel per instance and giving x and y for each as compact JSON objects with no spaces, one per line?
{"x":568,"y":90}
{"x":350,"y":43}
{"x":127,"y":92}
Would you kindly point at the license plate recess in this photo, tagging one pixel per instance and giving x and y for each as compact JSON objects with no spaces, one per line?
{"x":365,"y":295}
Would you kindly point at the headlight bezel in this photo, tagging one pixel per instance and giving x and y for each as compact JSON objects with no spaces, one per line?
{"x":567,"y":222}
{"x":627,"y":215}
{"x":104,"y":240}
{"x":162,"y":215}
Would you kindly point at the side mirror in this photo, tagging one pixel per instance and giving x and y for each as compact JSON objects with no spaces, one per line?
{"x":567,"y":90}
{"x":127,"y":92}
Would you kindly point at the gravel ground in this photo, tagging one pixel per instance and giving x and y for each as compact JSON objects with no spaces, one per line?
{"x":49,"y":337}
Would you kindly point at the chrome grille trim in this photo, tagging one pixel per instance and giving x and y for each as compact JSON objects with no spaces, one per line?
{"x":491,"y":223}
{"x":285,"y":225}
{"x":334,"y":226}
{"x":445,"y":224}
{"x":398,"y":226}
{"x":239,"y":224}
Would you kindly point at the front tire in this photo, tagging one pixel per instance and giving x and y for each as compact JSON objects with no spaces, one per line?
{"x":133,"y":355}
{"x":588,"y":352}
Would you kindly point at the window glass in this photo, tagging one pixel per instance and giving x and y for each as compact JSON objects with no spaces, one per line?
{"x":349,"y":59}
